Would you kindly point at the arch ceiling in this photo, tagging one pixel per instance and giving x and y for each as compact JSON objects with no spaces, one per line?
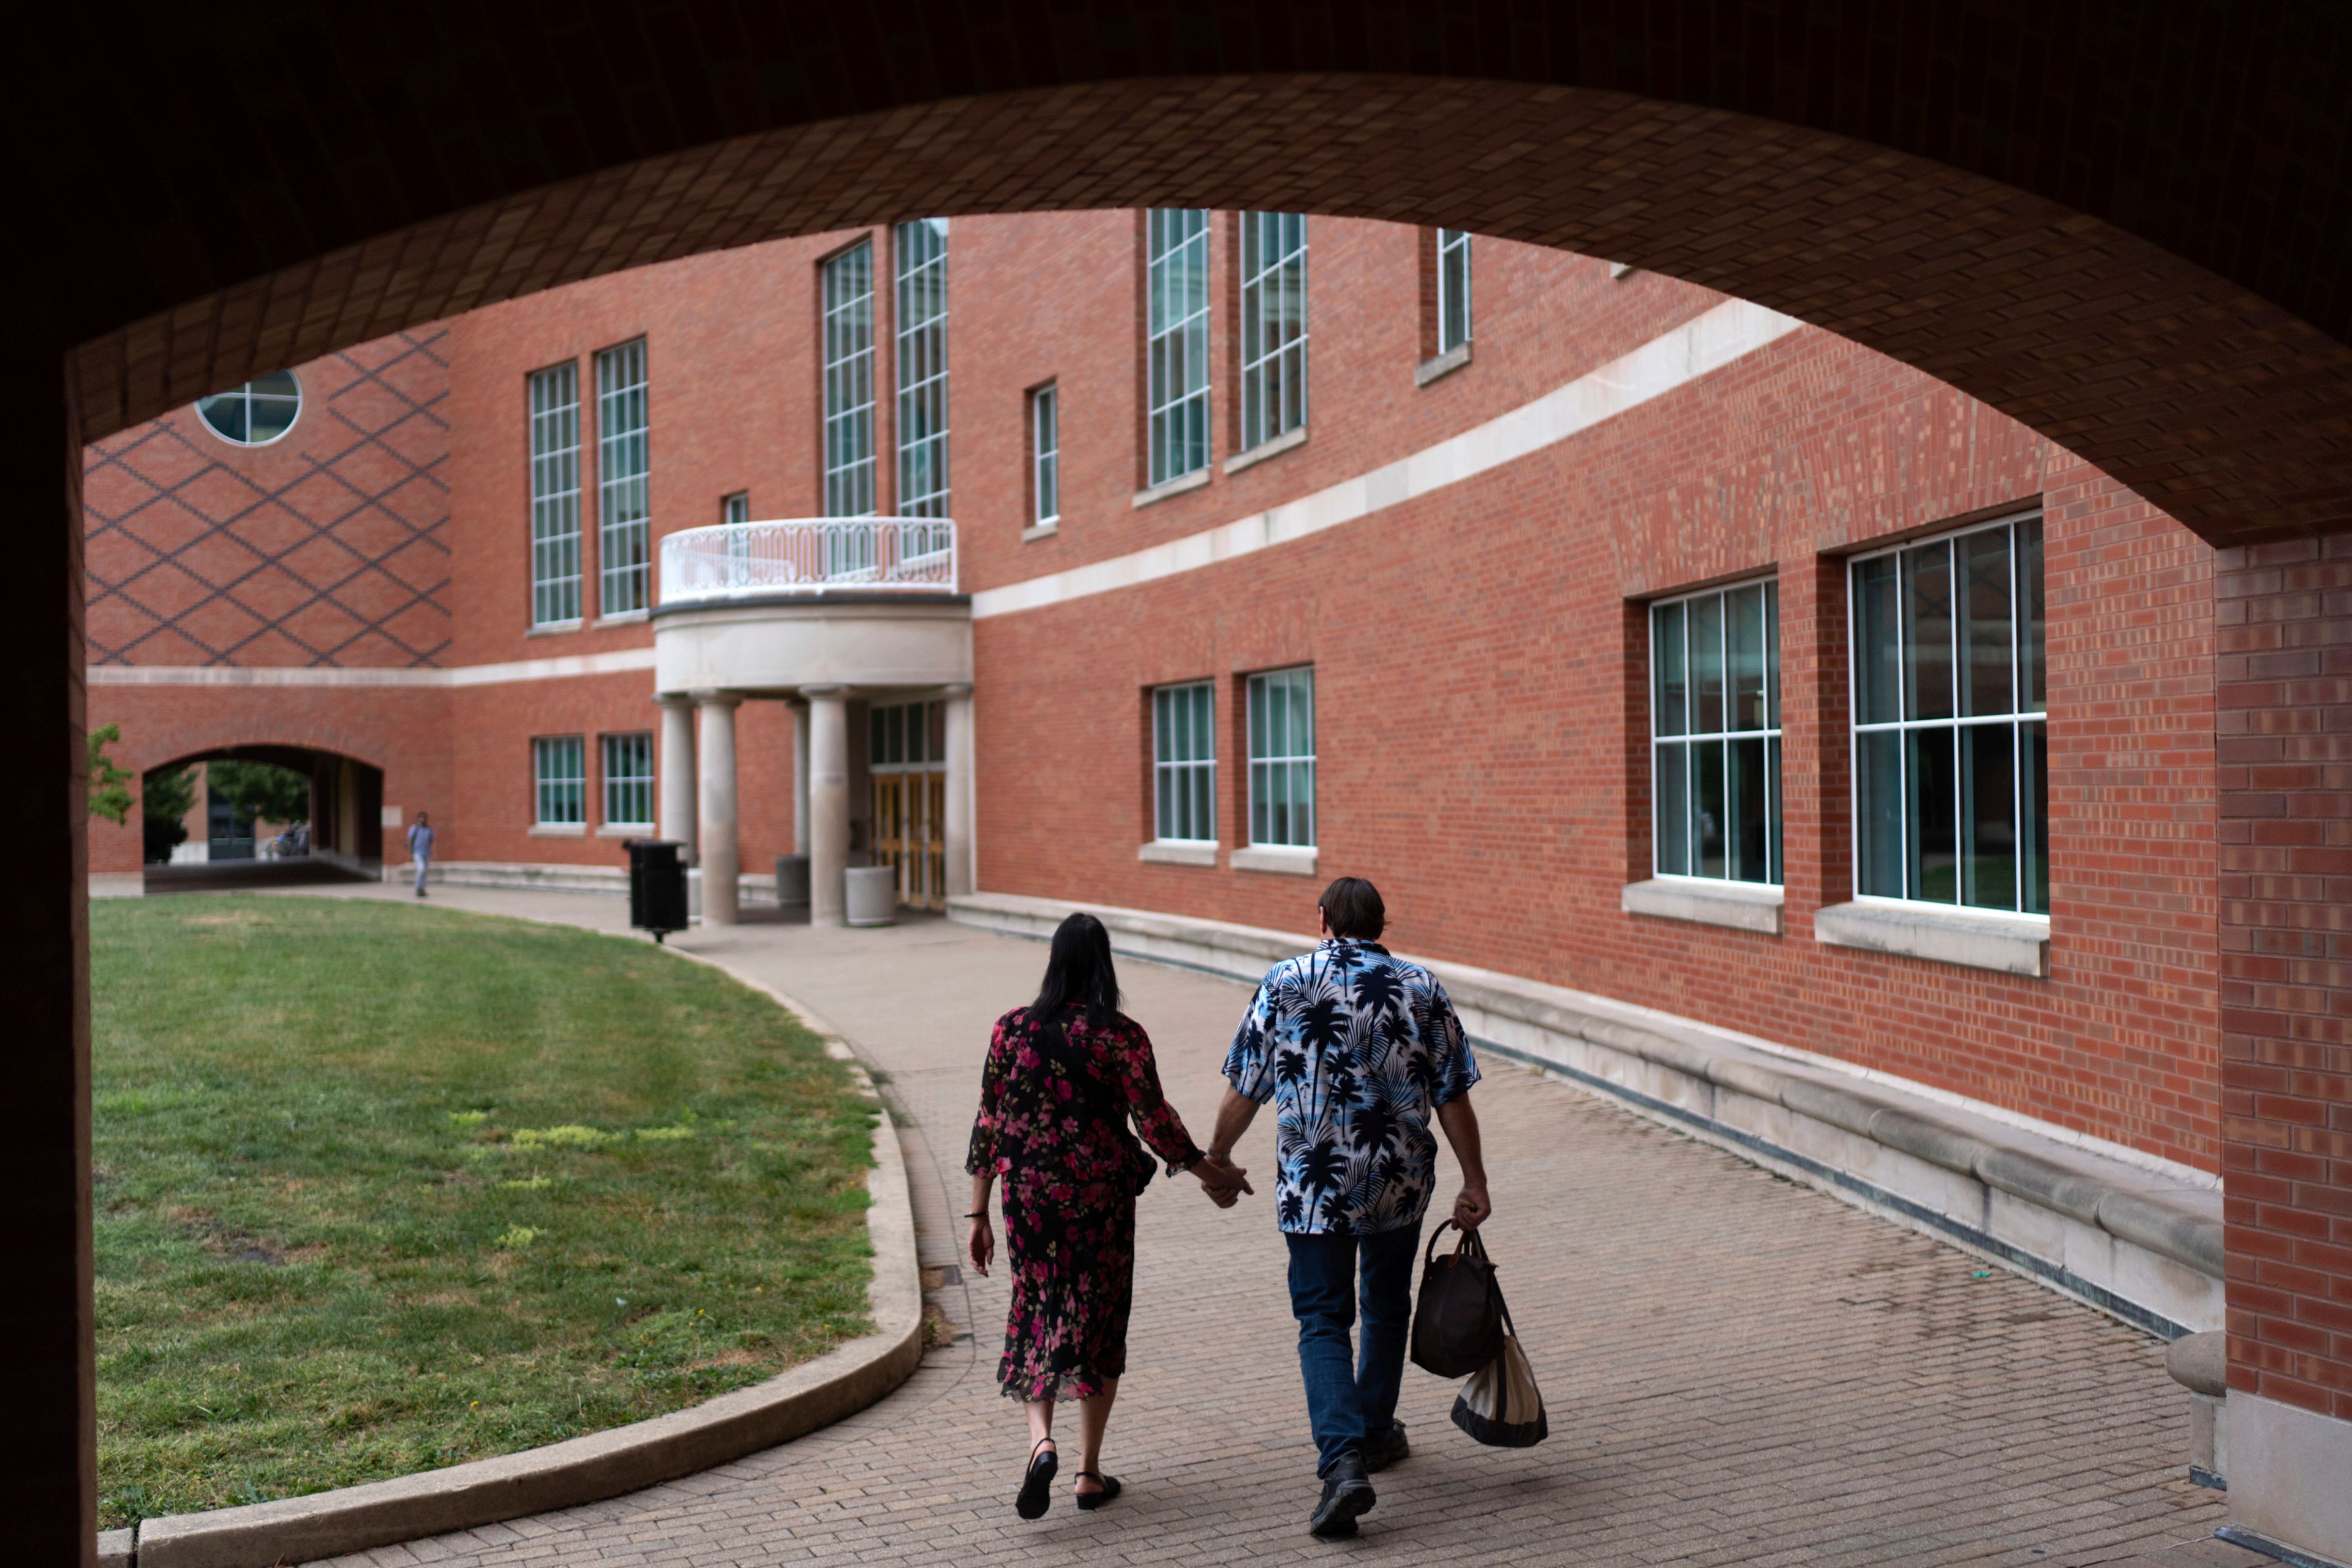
{"x":2123,"y":224}
{"x":2120,"y":224}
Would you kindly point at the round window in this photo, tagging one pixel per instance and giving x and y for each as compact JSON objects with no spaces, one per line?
{"x":256,"y":413}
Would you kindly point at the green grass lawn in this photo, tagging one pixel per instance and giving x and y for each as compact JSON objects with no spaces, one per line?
{"x":382,"y":1188}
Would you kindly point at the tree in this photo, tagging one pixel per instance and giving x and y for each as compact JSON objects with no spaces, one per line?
{"x":110,"y":786}
{"x":261,"y":792}
{"x":171,"y":794}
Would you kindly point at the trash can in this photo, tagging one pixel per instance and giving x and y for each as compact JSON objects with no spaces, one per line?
{"x":793,"y":886}
{"x":656,"y":885}
{"x":871,"y":895}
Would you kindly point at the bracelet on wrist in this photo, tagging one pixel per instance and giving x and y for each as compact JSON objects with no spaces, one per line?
{"x":982,"y":1215}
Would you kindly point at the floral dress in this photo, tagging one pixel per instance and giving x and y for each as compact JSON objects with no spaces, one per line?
{"x":1055,"y":1099}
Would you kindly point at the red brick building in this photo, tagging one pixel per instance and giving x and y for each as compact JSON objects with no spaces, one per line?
{"x":1280,"y":549}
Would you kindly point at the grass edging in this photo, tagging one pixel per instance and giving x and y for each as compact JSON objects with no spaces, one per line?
{"x":605,"y":1464}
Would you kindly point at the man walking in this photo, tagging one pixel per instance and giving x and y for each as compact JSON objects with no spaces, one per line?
{"x":420,"y":847}
{"x":1358,"y":1049}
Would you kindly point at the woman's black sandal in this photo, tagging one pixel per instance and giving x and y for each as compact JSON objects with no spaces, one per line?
{"x":1089,"y":1501}
{"x":1037,"y":1484}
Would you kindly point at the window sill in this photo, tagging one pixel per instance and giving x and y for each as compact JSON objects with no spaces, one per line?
{"x":1977,"y":939}
{"x":1742,"y":906}
{"x":1045,"y":530}
{"x":1175,"y":486}
{"x":626,"y":830}
{"x":1445,"y":364}
{"x":1280,"y":859}
{"x":1264,"y":449}
{"x":559,"y":830}
{"x":1177,"y":852}
{"x":623,"y":618}
{"x":553,"y":628}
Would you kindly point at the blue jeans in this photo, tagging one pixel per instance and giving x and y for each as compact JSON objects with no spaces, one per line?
{"x":1351,"y":1397}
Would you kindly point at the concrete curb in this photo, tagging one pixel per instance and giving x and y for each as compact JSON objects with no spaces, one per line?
{"x":2134,"y":1241}
{"x":815,"y":1394}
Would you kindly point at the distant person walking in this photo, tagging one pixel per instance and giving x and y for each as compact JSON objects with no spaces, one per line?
{"x":1064,"y":1075}
{"x":1358,"y":1050}
{"x":420,"y":847}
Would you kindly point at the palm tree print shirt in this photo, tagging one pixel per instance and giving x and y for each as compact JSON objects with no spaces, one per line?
{"x":1358,"y":1049}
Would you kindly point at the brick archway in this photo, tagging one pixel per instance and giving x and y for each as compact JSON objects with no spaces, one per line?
{"x":2121,"y":226}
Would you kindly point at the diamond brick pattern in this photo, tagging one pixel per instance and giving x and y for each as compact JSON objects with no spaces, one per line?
{"x":326,"y":549}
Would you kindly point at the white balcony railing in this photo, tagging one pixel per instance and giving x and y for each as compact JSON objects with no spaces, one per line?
{"x":809,"y":555}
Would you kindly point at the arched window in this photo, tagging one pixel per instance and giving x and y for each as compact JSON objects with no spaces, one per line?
{"x":256,"y":413}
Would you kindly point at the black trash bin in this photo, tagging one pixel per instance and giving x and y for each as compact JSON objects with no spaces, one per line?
{"x":656,"y":885}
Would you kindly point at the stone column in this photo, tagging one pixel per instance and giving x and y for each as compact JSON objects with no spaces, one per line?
{"x":677,"y":786}
{"x":957,"y":834}
{"x":828,"y":841}
{"x":718,"y":772}
{"x":800,"y":778}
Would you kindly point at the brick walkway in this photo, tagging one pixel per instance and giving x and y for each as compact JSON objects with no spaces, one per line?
{"x":1738,"y":1370}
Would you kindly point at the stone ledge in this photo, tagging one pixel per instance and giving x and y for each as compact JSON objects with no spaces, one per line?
{"x":754,"y":887}
{"x":1176,"y":852}
{"x":1439,"y":366}
{"x":2135,"y":1241}
{"x":815,"y":1394}
{"x":1978,"y":939}
{"x":1180,"y":485}
{"x":1742,"y":906}
{"x":1278,"y":859}
{"x":1273,"y":446}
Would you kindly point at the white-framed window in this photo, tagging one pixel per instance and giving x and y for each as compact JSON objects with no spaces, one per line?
{"x":1282,"y":758}
{"x":1714,"y":735}
{"x":1045,"y":453}
{"x":628,"y":779}
{"x":906,"y":737}
{"x":922,"y":367}
{"x":1453,"y":288}
{"x":623,"y":481}
{"x":848,"y":365}
{"x":1184,"y":762}
{"x":560,"y":780}
{"x":555,"y":495}
{"x":254,"y":414}
{"x":1950,"y":728}
{"x":1273,"y":325}
{"x":1176,"y":340}
{"x":736,"y":508}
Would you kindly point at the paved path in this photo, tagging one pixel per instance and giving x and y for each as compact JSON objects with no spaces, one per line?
{"x":1739,"y":1370}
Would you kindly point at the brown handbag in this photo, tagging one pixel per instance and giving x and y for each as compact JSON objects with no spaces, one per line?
{"x":1457,"y":1323}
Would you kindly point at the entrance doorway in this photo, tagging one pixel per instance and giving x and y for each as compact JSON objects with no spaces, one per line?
{"x":908,"y":758}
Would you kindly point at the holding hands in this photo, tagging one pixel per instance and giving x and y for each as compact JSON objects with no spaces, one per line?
{"x":1224,"y":1181}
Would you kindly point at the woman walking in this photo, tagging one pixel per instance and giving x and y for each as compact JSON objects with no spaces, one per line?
{"x":1064,"y":1075}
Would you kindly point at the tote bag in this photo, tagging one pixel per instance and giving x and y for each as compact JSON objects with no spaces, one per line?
{"x":1500,"y":1405}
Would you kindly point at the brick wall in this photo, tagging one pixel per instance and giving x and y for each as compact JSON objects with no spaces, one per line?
{"x":2284,"y":616}
{"x":1477,"y":650}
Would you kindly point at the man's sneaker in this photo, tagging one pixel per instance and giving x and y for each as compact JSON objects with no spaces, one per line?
{"x":1347,"y":1494}
{"x":1386,"y":1449}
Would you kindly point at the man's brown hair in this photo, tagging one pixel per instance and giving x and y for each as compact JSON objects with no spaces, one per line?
{"x":1352,"y":907}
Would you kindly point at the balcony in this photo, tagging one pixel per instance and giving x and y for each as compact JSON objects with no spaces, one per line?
{"x":808,"y":557}
{"x":770,"y":609}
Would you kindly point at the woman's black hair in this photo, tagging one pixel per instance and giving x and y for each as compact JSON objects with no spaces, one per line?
{"x":1079,"y":969}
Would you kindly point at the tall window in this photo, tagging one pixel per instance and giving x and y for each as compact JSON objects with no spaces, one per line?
{"x":1273,"y":325}
{"x":559,"y":771}
{"x":1282,"y":758}
{"x":623,"y":481}
{"x":1176,"y":297}
{"x":629,"y":780}
{"x":1184,"y":762}
{"x":848,"y":339}
{"x":736,"y":508}
{"x":1715,"y":729}
{"x":1453,"y":288}
{"x":1045,"y":454}
{"x":922,"y":367}
{"x":1950,"y":750}
{"x":555,"y":495}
